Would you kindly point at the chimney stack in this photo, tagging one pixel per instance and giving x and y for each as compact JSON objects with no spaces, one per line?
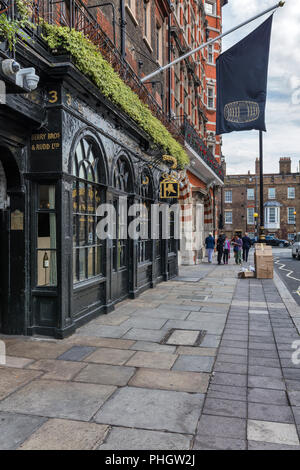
{"x":285,"y":166}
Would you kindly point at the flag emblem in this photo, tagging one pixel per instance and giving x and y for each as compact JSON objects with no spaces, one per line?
{"x":241,"y":111}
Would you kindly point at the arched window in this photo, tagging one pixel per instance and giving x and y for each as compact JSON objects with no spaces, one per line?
{"x":88,"y":193}
{"x":122,"y":175}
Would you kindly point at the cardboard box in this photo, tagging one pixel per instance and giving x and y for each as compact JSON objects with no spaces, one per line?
{"x":264,"y":262}
{"x":246,"y":274}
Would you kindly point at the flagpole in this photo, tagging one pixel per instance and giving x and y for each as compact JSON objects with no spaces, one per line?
{"x":262,"y":237}
{"x":179,"y":59}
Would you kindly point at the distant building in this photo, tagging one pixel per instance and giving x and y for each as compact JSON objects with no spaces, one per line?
{"x":240,"y":200}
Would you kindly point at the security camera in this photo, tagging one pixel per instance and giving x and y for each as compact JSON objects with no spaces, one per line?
{"x":32,"y":81}
{"x":10,"y":67}
{"x":27,"y":78}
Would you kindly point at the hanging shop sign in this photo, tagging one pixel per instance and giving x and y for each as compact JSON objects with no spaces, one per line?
{"x":169,"y":187}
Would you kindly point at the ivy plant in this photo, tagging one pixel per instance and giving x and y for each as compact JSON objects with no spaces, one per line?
{"x":9,"y":28}
{"x":90,"y":62}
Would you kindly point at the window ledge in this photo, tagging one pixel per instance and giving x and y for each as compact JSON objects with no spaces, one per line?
{"x":131,"y":14}
{"x":88,"y":283}
{"x":145,"y":39}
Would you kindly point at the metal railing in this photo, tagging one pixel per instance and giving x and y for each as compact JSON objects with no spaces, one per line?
{"x":193,"y":139}
{"x":75,"y":14}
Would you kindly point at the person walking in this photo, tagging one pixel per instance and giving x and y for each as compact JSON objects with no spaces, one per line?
{"x":237,"y":248}
{"x":226,"y":253}
{"x":246,"y":246}
{"x":220,"y":247}
{"x":210,"y":246}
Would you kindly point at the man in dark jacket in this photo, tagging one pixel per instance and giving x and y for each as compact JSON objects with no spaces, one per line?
{"x":210,"y":245}
{"x":220,"y":247}
{"x":246,"y":246}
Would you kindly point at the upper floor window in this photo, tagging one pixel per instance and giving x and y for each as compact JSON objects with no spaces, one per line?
{"x":147,"y":22}
{"x":211,"y":7}
{"x":210,"y":54}
{"x":131,"y":5}
{"x":250,"y":194}
{"x":228,"y":197}
{"x":291,"y":193}
{"x":159,"y":43}
{"x":210,"y":97}
{"x":272,"y":193}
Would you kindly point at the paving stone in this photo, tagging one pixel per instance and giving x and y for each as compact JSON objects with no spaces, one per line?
{"x":292,"y":384}
{"x":12,"y":379}
{"x":291,"y":373}
{"x":196,"y":351}
{"x":262,"y":346}
{"x":229,"y":379}
{"x":234,"y":344}
{"x":221,"y":407}
{"x":218,"y":443}
{"x":255,"y":445}
{"x":100,"y":342}
{"x":265,"y":371}
{"x":258,"y":312}
{"x":276,"y":433}
{"x":172,"y":307}
{"x":152,"y":347}
{"x":221,"y":366}
{"x":171,"y":380}
{"x":116,"y":357}
{"x":227,"y":392}
{"x":194,"y":363}
{"x":183,"y":337}
{"x":263,"y":361}
{"x":76,"y":353}
{"x":152,"y":360}
{"x":62,"y":434}
{"x":152,"y":409}
{"x":263,"y":353}
{"x":233,"y":351}
{"x":102,"y":331}
{"x":17,"y":362}
{"x":267,"y":412}
{"x":57,"y":370}
{"x":36,"y":349}
{"x":58,"y":399}
{"x":211,"y":341}
{"x":267,"y":396}
{"x":145,"y":323}
{"x":220,"y":426}
{"x":232,"y":359}
{"x":111,"y":319}
{"x":146,"y":335}
{"x":296,"y":411}
{"x":105,"y":374}
{"x":15,"y":428}
{"x":294,"y":398}
{"x":266,"y":382}
{"x":139,"y":439}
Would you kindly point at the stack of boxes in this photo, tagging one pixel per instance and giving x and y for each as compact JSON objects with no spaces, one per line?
{"x":264,"y":263}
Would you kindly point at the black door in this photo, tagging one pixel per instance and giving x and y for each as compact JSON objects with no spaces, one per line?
{"x":119,"y":255}
{"x":4,"y":271}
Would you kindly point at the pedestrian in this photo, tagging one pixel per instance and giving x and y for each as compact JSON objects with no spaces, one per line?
{"x":237,"y":249}
{"x":226,"y":254}
{"x":246,"y":246}
{"x":210,"y":246}
{"x":220,"y":247}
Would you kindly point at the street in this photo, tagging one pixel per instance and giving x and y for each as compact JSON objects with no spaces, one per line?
{"x":289,"y":271}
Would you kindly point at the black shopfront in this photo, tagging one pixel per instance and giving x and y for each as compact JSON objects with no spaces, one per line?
{"x":64,"y":150}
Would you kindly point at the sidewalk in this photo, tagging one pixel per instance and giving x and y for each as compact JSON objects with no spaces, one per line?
{"x":201,"y":362}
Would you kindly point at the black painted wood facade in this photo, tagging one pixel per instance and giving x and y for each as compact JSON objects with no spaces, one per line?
{"x":64,"y":149}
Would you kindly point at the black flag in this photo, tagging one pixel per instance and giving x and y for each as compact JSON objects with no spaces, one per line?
{"x":242,"y":73}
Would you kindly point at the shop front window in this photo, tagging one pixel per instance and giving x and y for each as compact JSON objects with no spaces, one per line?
{"x":46,"y":237}
{"x":88,"y":193}
{"x":145,"y":243}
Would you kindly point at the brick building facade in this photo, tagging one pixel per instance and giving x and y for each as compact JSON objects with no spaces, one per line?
{"x":241,"y":200}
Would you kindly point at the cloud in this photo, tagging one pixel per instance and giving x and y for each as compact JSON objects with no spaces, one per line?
{"x":283,"y":106}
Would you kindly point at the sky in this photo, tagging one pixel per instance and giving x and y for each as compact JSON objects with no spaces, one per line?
{"x":282,"y":138}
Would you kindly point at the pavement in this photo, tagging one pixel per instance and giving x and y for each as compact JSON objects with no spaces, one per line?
{"x":206,"y":361}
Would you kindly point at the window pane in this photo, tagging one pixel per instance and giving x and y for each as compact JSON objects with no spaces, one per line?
{"x":82,"y":256}
{"x":82,"y":232}
{"x":91,"y":252}
{"x":46,"y":230}
{"x":46,"y":197}
{"x":46,"y":268}
{"x":98,"y":265}
{"x":82,"y":198}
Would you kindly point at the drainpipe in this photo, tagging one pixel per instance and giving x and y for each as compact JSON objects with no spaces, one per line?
{"x":169,"y":71}
{"x":123,"y":28}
